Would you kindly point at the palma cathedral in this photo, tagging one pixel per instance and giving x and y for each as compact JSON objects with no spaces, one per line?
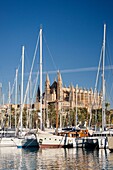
{"x":68,"y":97}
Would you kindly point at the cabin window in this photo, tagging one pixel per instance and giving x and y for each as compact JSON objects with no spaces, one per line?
{"x":49,"y":138}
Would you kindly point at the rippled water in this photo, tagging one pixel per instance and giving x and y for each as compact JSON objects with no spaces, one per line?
{"x":55,"y":159}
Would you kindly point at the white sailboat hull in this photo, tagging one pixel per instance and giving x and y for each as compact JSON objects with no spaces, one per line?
{"x":47,"y":140}
{"x":7,"y":142}
{"x":26,"y":142}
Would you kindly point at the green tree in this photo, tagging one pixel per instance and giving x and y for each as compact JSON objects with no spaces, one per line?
{"x":52,"y":115}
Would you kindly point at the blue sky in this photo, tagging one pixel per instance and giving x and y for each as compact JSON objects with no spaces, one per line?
{"x":73,"y":30}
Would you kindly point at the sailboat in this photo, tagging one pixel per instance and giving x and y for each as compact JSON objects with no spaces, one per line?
{"x":7,"y":134}
{"x":99,"y":139}
{"x":6,"y":137}
{"x":24,"y":139}
{"x":47,"y":137}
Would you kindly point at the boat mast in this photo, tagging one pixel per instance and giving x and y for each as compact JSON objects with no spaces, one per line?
{"x":57,"y":116}
{"x":41,"y":78}
{"x":16,"y":100}
{"x":9,"y":107}
{"x":103,"y":83}
{"x":76,"y":105}
{"x":22,"y":78}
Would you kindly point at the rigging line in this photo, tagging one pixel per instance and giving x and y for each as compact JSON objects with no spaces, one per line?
{"x":34,"y":92}
{"x":50,"y":52}
{"x":111,"y":92}
{"x":95,"y":88}
{"x":27,"y":61}
{"x":109,"y":56}
{"x":108,"y":94}
{"x":110,"y":87}
{"x":31,"y":69}
{"x":98,"y":71}
{"x":15,"y":79}
{"x":108,"y":79}
{"x":110,"y":61}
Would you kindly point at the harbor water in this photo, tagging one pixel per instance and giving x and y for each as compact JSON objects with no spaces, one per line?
{"x":55,"y":159}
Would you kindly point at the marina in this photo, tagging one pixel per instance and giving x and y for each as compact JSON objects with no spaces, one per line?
{"x":88,"y":141}
{"x":49,"y":101}
{"x":80,"y":136}
{"x":56,"y":85}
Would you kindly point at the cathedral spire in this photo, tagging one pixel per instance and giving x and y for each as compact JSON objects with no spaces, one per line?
{"x":72,"y":96}
{"x":59,"y":86}
{"x":59,"y":77}
{"x":47,"y":85}
{"x":47,"y":79}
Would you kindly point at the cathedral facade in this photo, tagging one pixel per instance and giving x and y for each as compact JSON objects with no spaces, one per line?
{"x":69,"y":97}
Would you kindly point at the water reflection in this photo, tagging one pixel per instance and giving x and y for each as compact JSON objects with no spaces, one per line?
{"x":46,"y":159}
{"x":73,"y":159}
{"x":9,"y":158}
{"x":12,"y":158}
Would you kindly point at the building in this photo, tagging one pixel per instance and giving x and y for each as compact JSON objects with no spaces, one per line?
{"x":69,"y":97}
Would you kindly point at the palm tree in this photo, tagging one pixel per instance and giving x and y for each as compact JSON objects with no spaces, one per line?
{"x":52,"y":114}
{"x":107,"y":112}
